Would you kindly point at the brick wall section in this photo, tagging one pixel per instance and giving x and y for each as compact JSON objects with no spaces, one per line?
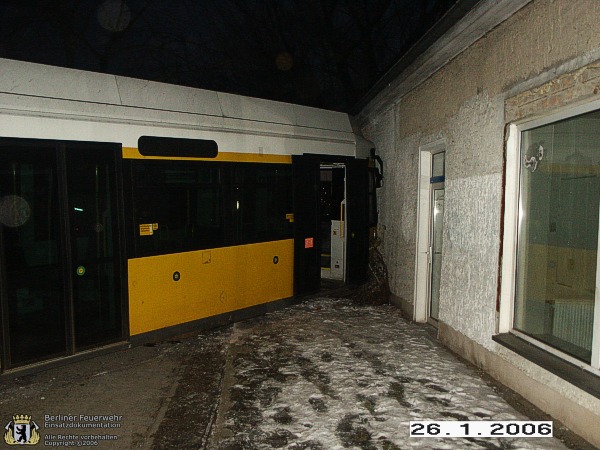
{"x":580,"y":86}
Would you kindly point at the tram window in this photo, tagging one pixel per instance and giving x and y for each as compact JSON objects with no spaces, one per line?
{"x":265,"y":203}
{"x":184,"y":206}
{"x":177,"y":208}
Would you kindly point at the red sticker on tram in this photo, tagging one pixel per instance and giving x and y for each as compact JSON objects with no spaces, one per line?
{"x":309,"y":242}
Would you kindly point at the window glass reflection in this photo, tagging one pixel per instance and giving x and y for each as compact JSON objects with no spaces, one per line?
{"x":558,"y":236}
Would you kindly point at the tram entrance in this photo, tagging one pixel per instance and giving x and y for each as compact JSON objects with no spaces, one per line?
{"x":331,"y":225}
{"x":333,"y":221}
{"x":61,"y":262}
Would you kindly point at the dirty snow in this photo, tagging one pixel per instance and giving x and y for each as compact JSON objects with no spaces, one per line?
{"x":330,"y":375}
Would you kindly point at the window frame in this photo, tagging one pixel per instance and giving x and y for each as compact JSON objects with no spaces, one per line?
{"x":511,"y":233}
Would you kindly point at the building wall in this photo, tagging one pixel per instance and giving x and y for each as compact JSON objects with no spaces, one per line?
{"x":504,"y":76}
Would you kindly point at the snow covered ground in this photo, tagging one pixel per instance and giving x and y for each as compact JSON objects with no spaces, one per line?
{"x":328,"y":374}
{"x":325,"y":374}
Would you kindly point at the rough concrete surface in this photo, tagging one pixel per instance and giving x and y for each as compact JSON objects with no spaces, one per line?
{"x":324,"y":374}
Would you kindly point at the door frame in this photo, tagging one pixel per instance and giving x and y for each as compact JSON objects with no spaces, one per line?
{"x":423,"y":238}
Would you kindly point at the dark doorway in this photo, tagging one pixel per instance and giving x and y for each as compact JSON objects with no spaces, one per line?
{"x":333,"y":221}
{"x":330,"y":201}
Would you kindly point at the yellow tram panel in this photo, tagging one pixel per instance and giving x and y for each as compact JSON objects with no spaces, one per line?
{"x":169,"y":290}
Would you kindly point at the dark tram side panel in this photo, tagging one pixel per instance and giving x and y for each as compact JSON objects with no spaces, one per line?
{"x":307,"y":267}
{"x":358,"y":220}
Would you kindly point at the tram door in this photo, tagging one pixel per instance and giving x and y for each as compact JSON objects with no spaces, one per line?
{"x":318,"y":212}
{"x":60,"y":254}
{"x":307,"y":238}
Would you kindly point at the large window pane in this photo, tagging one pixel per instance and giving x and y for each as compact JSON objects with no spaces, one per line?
{"x":184,"y":206}
{"x":177,"y":207}
{"x":558,"y":236}
{"x":264,"y":202}
{"x":30,"y":239}
{"x":91,"y":185}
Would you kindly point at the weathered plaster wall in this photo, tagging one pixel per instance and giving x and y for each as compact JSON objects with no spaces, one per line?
{"x":464,"y":104}
{"x":549,"y":45}
{"x":539,"y":37}
{"x":472,"y":218}
{"x":397,"y":204}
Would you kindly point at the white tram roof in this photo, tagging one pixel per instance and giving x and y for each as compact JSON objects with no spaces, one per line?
{"x":42,"y":101}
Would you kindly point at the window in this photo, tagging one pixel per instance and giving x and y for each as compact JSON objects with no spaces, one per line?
{"x":263,"y":202}
{"x":183,"y":206}
{"x":557,"y":237}
{"x":177,"y":207}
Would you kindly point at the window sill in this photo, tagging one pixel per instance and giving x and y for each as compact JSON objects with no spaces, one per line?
{"x":584,"y":380}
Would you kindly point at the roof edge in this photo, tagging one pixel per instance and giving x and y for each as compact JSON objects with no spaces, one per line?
{"x":55,"y":83}
{"x":442,"y":43}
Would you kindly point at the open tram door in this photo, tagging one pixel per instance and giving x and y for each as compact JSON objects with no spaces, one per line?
{"x":331,"y":227}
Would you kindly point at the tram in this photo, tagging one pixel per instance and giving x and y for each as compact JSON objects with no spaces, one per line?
{"x":132,"y":210}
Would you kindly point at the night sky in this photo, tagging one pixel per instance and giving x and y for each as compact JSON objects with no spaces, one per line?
{"x":323,"y":53}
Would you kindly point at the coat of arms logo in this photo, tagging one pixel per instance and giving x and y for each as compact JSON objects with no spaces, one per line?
{"x":21,"y":431}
